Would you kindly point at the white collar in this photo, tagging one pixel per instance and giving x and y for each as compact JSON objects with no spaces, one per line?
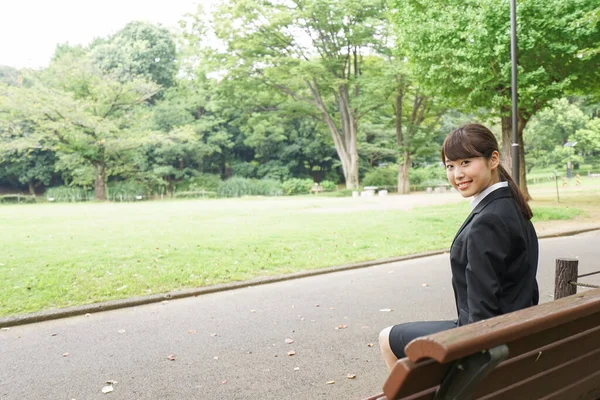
{"x":477,"y":199}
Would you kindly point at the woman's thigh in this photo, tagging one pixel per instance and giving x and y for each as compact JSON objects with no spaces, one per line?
{"x":402,"y":334}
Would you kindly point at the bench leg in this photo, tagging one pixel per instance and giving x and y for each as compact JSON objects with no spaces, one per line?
{"x":466,"y":373}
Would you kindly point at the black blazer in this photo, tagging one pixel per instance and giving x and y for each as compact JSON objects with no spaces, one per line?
{"x":494,"y":259}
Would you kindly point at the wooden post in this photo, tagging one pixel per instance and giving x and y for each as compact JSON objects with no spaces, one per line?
{"x":566,"y":271}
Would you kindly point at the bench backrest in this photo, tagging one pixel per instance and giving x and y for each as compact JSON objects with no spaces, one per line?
{"x":554,"y":352}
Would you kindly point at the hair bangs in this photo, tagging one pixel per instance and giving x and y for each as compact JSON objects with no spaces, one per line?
{"x":457,"y":146}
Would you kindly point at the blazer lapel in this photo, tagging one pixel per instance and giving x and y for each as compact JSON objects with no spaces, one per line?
{"x":496,"y":194}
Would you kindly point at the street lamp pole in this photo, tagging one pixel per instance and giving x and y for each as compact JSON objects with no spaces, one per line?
{"x":515,"y":119}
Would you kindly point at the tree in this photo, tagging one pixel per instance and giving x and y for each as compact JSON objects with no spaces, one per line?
{"x":461,"y":51}
{"x":140,"y":49}
{"x":310,"y":50}
{"x":82,"y":112}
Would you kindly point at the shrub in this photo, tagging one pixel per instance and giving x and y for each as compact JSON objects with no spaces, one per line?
{"x":431,"y":176}
{"x":125,"y":191}
{"x":197,"y":194}
{"x":339,"y":193}
{"x":328,"y":186}
{"x":297,"y":186}
{"x":200,"y":182}
{"x":237,"y":187}
{"x":67,"y":194}
{"x":387,"y":176}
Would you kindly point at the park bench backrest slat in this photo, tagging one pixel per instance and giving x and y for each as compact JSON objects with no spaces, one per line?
{"x":544,"y":371}
{"x":552,"y":381}
{"x":457,"y":343}
{"x":583,"y":389}
{"x":536,"y":361}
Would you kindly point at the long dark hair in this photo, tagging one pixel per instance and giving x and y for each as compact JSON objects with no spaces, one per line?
{"x":475,"y":140}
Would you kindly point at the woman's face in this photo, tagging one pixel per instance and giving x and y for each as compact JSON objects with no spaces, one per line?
{"x":471,"y":176}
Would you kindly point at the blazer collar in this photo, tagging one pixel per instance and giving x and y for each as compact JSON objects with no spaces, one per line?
{"x":496,"y":194}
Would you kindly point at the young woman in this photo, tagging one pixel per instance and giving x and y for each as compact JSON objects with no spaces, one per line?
{"x":494,"y":255}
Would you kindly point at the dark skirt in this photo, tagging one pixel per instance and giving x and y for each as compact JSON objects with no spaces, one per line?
{"x":402,"y":334}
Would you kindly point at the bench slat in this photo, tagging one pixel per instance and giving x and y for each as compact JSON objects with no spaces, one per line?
{"x":552,"y":381}
{"x":584,"y":389}
{"x":457,"y":343}
{"x":520,"y":368}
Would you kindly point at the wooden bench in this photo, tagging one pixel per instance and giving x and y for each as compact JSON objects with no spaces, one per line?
{"x":550,"y":351}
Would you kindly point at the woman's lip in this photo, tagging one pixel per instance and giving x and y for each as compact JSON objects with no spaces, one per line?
{"x":463,"y":185}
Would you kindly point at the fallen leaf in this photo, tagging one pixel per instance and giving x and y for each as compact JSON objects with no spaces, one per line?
{"x":88,"y":314}
{"x":350,"y":376}
{"x":192,"y":331}
{"x":65,"y":354}
{"x":216,"y":357}
{"x":54,"y":334}
{"x":370,"y":344}
{"x":330,"y":382}
{"x":252,"y":311}
{"x":111,"y":382}
{"x":224,"y":382}
{"x":164,"y":301}
{"x":6,"y":329}
{"x":213,"y":334}
{"x":289,"y":340}
{"x":316,"y":305}
{"x":385,"y":310}
{"x":425,"y":284}
{"x":341,"y":326}
{"x":171,"y":357}
{"x":107,"y":389}
{"x":121,"y":331}
{"x":291,"y":353}
{"x":332,"y":308}
{"x":297,"y":369}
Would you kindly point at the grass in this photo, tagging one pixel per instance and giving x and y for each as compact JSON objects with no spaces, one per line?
{"x":58,"y":255}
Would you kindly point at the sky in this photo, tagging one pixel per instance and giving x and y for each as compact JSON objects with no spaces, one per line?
{"x":31,"y":29}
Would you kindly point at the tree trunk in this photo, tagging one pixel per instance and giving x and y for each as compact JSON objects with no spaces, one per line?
{"x":344,"y":138}
{"x":31,"y":188}
{"x":100,"y":181}
{"x":403,"y":180}
{"x":507,"y":149}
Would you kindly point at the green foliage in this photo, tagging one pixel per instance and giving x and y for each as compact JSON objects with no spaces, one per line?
{"x":140,"y":49}
{"x":238,"y":187}
{"x":200,"y":182}
{"x":328,"y":186}
{"x":428,"y":176}
{"x":387,"y":176}
{"x":297,"y":186}
{"x":339,"y":193}
{"x":68,"y":194}
{"x":126,"y":191}
{"x":196,"y":194}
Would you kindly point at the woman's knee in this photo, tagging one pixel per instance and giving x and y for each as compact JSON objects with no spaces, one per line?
{"x":384,"y":339}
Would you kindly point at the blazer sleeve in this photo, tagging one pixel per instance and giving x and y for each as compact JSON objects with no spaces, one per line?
{"x":488,"y":246}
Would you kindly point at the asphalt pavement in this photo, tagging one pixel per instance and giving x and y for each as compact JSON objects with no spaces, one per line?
{"x":308,"y":338}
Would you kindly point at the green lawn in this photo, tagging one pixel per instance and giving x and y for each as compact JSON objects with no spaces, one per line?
{"x":57,"y":255}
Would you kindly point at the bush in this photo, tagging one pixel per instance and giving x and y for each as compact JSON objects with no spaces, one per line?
{"x":387,"y":176}
{"x":67,"y":194}
{"x":197,"y":194}
{"x":429,"y":176}
{"x":17,"y":198}
{"x":125,"y":191}
{"x":297,"y":186}
{"x":237,"y":187}
{"x":199,"y":183}
{"x":328,"y":186}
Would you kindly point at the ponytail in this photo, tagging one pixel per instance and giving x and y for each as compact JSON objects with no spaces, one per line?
{"x":516,"y":192}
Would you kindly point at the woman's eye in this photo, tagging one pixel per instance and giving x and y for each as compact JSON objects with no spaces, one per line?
{"x":448,"y":166}
{"x":465,"y":162}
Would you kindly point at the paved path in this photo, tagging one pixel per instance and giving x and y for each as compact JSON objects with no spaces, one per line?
{"x":232,"y":344}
